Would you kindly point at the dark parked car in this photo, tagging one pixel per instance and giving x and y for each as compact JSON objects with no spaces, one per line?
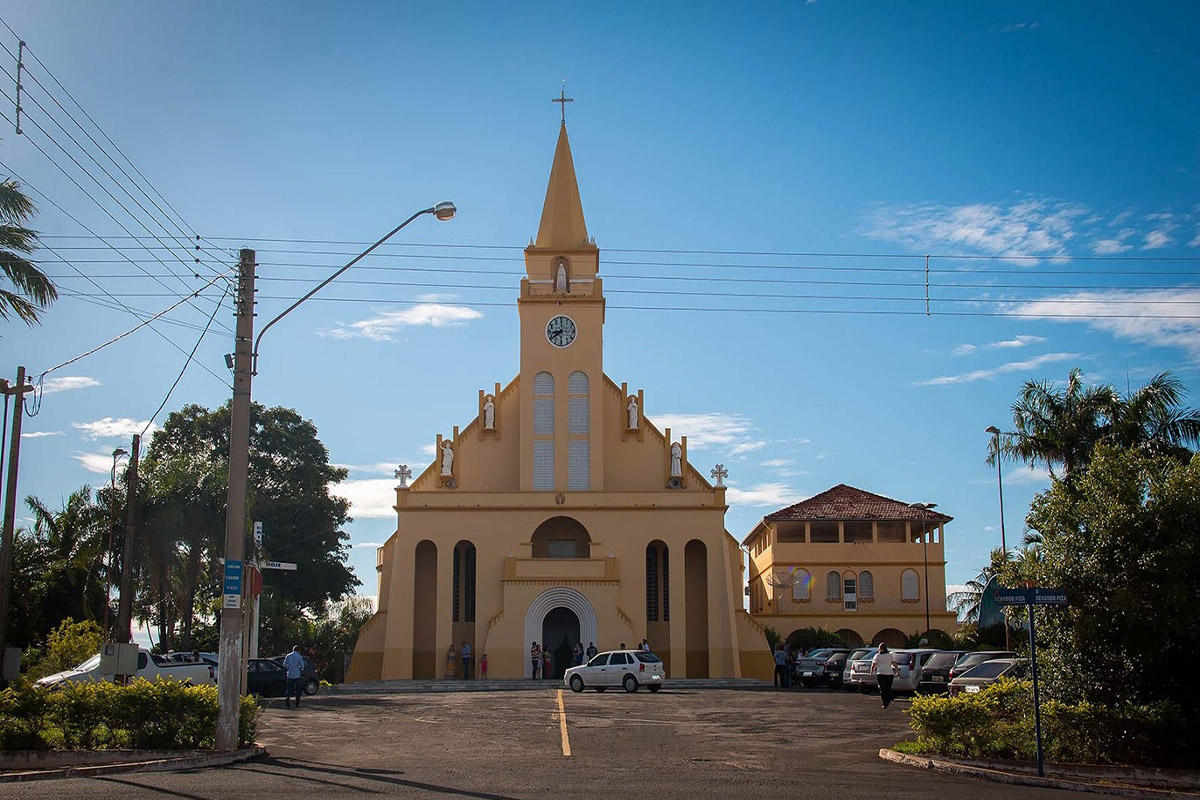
{"x":833,"y":669}
{"x":986,"y":673}
{"x":936,"y":674}
{"x":810,"y":670}
{"x":974,"y":658}
{"x":308,"y":675}
{"x":266,"y":677}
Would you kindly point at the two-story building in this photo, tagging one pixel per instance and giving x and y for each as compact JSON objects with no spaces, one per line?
{"x":867,"y":567}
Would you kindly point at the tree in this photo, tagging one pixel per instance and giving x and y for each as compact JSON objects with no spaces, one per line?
{"x":67,"y":646}
{"x":1153,"y":420}
{"x":806,"y":639}
{"x":69,"y":544}
{"x":34,"y":292}
{"x":1121,"y":540}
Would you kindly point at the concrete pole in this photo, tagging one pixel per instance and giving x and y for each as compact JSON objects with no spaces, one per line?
{"x":229,"y":691}
{"x":10,"y":502}
{"x":125,"y":601}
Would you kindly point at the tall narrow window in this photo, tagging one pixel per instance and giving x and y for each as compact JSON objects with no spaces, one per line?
{"x":469,"y":587}
{"x":651,"y":583}
{"x":801,"y":586}
{"x":833,"y":586}
{"x":543,"y":431}
{"x":457,"y":590}
{"x":666,"y":584}
{"x":578,"y":421}
{"x":866,"y":586}
{"x":910,"y":585}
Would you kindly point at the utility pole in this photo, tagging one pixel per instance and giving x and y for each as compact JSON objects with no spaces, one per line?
{"x":125,"y":601}
{"x":230,"y":654}
{"x":10,"y":499}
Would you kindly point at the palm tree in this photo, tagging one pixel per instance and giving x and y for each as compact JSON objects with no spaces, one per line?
{"x":34,"y":291}
{"x":70,"y":545}
{"x":1153,"y":420}
{"x":968,"y":602}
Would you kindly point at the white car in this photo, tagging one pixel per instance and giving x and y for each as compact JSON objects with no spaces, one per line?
{"x":626,"y":668}
{"x":149,"y":665}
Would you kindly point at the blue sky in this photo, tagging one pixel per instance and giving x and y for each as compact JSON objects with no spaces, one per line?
{"x":1028,"y":131}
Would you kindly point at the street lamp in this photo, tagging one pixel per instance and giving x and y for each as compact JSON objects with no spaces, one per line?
{"x":994,"y":431}
{"x":112,"y":524}
{"x":230,"y":647}
{"x":925,"y":509}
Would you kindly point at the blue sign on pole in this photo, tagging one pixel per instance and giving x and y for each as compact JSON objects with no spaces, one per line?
{"x":1012,"y":597}
{"x":233,"y":577}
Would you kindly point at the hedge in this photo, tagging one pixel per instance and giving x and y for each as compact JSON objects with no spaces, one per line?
{"x":159,"y":715}
{"x":998,"y":723}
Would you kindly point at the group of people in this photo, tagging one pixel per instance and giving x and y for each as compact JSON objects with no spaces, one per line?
{"x":541,"y":660}
{"x":883,"y":667}
{"x":464,"y":653}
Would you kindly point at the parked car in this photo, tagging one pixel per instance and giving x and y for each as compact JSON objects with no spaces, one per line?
{"x":810,"y":670}
{"x":909,"y":664}
{"x":312,"y":681}
{"x":627,"y":668}
{"x":936,"y":674}
{"x":187,"y":656}
{"x":969,"y":660}
{"x":266,"y":677}
{"x":861,"y":677}
{"x":834,"y":668}
{"x":150,"y":666}
{"x":855,"y":655}
{"x":988,"y":672}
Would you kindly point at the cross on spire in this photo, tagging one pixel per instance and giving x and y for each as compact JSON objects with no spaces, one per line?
{"x":562,"y":101}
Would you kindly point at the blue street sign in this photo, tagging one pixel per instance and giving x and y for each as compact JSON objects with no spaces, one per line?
{"x":1012,"y":597}
{"x":233,"y":578}
{"x":1049,"y":597}
{"x":1038,"y":596}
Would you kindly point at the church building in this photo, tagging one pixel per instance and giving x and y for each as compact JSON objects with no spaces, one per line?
{"x":560,"y":514}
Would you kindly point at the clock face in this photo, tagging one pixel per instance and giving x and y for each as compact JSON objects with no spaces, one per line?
{"x":560,"y":331}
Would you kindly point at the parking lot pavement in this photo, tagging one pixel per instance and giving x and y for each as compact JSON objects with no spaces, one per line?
{"x":674,"y":744}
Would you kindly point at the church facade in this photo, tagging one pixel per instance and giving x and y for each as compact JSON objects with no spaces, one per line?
{"x":560,"y":514}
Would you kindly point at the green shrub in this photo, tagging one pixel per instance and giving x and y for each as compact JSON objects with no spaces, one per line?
{"x":813,"y":638}
{"x":67,"y":646}
{"x":998,"y":723}
{"x":159,"y":715}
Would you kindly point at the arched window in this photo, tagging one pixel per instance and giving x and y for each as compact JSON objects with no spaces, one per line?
{"x":801,"y":586}
{"x":833,"y":586}
{"x":866,"y":586}
{"x":910,"y":585}
{"x":657,"y":583}
{"x":543,"y":431}
{"x":578,"y":420}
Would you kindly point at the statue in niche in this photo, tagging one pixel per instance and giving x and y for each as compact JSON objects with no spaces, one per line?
{"x":447,"y":459}
{"x":560,"y":276}
{"x":676,"y":460}
{"x":489,"y":413}
{"x":632,"y":408}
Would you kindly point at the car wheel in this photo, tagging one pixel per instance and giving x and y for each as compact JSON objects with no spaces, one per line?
{"x":576,"y":684}
{"x":600,"y":689}
{"x":653,"y":688}
{"x":630,"y":684}
{"x":312,"y":686}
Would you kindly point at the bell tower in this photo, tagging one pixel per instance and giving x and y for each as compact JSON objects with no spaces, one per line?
{"x":562,"y":318}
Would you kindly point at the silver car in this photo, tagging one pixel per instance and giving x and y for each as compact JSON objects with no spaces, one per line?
{"x":909,"y":664}
{"x":861,"y":677}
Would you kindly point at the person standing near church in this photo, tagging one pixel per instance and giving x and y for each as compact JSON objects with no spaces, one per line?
{"x":577,"y":654}
{"x":645,"y":646}
{"x":545,"y":662}
{"x":464,"y":652}
{"x":883,"y":667}
{"x":294,"y":662}
{"x":591,"y":651}
{"x":535,"y":660}
{"x":781,"y":659}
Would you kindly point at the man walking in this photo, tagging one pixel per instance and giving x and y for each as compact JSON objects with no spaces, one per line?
{"x":465,"y":652}
{"x":294,"y":662}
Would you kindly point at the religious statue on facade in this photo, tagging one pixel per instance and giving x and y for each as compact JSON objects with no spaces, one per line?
{"x":489,"y":413}
{"x":560,"y":277}
{"x":632,"y":409}
{"x":447,"y":458}
{"x":676,"y":460}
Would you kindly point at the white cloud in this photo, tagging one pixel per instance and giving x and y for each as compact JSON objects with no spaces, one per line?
{"x":762,"y":494}
{"x":1027,"y":475}
{"x":776,"y":462}
{"x":110,"y":428}
{"x":67,"y":383}
{"x":1117,"y":243}
{"x":1020,"y":340}
{"x":370,"y":498}
{"x":728,"y":433}
{"x":40,"y":434}
{"x":1160,"y":317}
{"x":100,"y":463}
{"x":385,"y":324}
{"x":378,"y":468}
{"x":1158,"y":238}
{"x":987,"y":374}
{"x":963,"y":350}
{"x":369,"y":544}
{"x":429,"y":449}
{"x":436,"y":297}
{"x":1020,"y":26}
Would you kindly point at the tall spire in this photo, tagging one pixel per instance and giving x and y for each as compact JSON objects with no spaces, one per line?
{"x":562,"y":223}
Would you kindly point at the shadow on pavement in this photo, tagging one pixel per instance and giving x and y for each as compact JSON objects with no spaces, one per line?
{"x":291,"y":767}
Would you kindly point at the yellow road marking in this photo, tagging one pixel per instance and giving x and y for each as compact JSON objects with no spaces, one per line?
{"x":562,"y":725}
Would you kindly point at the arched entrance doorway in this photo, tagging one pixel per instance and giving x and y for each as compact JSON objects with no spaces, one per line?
{"x":560,"y":633}
{"x":558,"y":598}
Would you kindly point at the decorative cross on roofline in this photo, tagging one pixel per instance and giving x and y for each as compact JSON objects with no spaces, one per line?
{"x":404,"y":473}
{"x":719,"y":473}
{"x":562,"y":100}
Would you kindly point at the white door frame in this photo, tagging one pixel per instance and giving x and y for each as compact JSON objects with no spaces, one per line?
{"x":547,"y":601}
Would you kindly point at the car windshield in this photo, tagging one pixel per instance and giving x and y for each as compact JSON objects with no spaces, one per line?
{"x":820,"y":655}
{"x":988,"y":669}
{"x":941,"y":660}
{"x":857,"y":654}
{"x":90,"y":664}
{"x":648,"y":658}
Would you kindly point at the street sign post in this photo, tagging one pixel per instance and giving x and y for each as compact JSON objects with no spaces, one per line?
{"x":1029,"y":597}
{"x":232,"y":584}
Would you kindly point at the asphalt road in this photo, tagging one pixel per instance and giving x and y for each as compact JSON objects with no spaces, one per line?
{"x":674,"y":744}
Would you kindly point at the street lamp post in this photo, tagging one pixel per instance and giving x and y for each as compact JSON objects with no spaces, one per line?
{"x":112,"y":523}
{"x":994,"y":431}
{"x":245,"y":366}
{"x":925,"y":509}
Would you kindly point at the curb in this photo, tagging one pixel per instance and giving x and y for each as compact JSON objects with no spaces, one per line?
{"x":445,"y":686}
{"x":1018,"y":779}
{"x":215,"y":759}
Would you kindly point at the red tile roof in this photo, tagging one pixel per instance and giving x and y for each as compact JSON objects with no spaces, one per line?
{"x":846,"y":502}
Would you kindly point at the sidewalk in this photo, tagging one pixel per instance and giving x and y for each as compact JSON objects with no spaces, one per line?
{"x":39,"y":765}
